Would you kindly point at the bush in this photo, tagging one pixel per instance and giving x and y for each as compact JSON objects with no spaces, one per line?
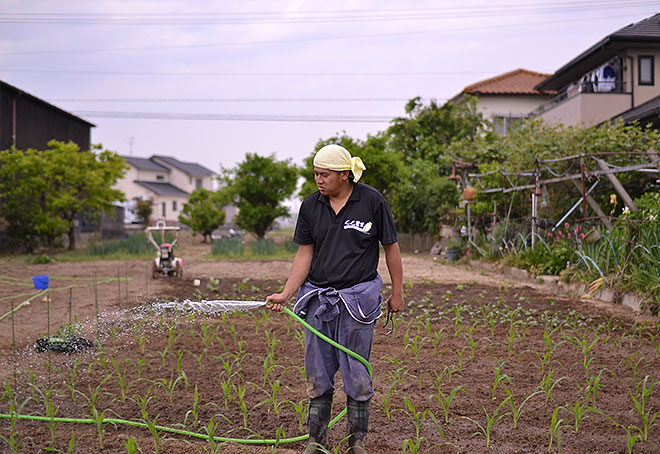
{"x":263,"y":247}
{"x":232,"y":247}
{"x":137,"y":244}
{"x":38,"y":259}
{"x":290,"y":246}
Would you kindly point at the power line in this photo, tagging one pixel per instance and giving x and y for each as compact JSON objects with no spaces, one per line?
{"x":249,"y":18}
{"x":228,"y":100}
{"x":309,"y":39}
{"x":242,"y":74}
{"x":235,"y":117}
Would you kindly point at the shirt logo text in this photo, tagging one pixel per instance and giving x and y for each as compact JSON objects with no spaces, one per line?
{"x":360,"y":226}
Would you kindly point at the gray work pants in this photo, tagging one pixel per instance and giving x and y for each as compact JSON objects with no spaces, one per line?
{"x":322,"y":360}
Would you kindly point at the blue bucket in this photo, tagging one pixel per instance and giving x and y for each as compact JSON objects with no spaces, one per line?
{"x":41,"y":281}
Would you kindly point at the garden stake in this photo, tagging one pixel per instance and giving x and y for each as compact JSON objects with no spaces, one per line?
{"x":119,"y":285}
{"x":13,"y":341}
{"x":70,"y":297}
{"x":48,"y":323}
{"x":126,"y":277}
{"x":96,"y":304}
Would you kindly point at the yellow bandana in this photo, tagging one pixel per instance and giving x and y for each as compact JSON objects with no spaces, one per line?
{"x":336,"y":157}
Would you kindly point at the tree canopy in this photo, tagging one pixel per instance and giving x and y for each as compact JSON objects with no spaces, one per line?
{"x":43,"y":192}
{"x":204,"y":212}
{"x":258,"y":187}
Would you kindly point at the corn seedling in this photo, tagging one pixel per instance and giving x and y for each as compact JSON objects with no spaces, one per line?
{"x":438,"y":424}
{"x":50,"y":410}
{"x":179,"y":366}
{"x":548,"y":385}
{"x":579,"y":411}
{"x":487,"y":429}
{"x":300,"y":409}
{"x":634,"y":363}
{"x":240,"y":391}
{"x":593,"y":386}
{"x":555,"y":430}
{"x":209,"y":429}
{"x":132,"y":446}
{"x":416,"y":346}
{"x":640,"y":399}
{"x":71,"y":382}
{"x":517,"y":411}
{"x":445,"y":400}
{"x":412,"y":446}
{"x":586,"y":347}
{"x":72,"y":444}
{"x":14,"y":409}
{"x":415,"y":415}
{"x":473,"y":343}
{"x":170,"y":385}
{"x":499,"y":379}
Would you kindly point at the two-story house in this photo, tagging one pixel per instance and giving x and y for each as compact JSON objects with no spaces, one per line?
{"x":612,"y":78}
{"x":508,"y":98}
{"x":165,"y":180}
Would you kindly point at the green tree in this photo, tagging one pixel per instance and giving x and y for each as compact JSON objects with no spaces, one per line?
{"x":385,"y":169}
{"x":204,"y":212}
{"x":23,"y":201}
{"x":82,"y":182}
{"x":44,"y":191}
{"x":419,"y":205}
{"x":429,"y":129}
{"x":258,"y":187}
{"x":143,"y":209}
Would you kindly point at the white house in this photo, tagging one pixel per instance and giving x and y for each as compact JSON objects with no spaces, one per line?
{"x":165,"y":180}
{"x":508,"y":98}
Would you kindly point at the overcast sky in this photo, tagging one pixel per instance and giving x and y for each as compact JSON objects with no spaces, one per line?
{"x":227,"y":73}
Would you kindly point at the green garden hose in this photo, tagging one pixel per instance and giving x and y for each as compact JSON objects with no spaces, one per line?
{"x":270,"y":441}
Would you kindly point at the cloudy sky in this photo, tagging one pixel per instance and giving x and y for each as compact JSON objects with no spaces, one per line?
{"x":210,"y":80}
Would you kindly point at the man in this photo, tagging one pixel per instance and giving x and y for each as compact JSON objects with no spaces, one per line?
{"x":338,"y":233}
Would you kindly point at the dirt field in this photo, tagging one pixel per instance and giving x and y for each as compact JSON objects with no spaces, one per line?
{"x":489,"y":339}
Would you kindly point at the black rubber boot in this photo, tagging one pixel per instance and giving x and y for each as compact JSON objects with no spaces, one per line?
{"x":318,"y":418}
{"x":358,"y":424}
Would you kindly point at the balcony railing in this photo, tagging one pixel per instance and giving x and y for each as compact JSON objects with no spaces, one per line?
{"x":602,"y":87}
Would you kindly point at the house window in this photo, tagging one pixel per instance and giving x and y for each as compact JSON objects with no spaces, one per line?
{"x":189,"y":180}
{"x":504,"y":123}
{"x":198,"y":183}
{"x":645,"y":70}
{"x":163,"y":205}
{"x":160,"y":177}
{"x":173,"y":205}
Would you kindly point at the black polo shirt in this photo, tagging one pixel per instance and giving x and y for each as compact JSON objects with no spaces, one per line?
{"x":345,"y":245}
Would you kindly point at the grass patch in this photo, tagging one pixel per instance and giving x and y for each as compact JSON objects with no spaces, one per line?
{"x":136,"y":246}
{"x":235,"y":248}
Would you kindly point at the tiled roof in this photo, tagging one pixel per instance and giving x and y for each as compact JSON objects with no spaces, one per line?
{"x":644,"y":32}
{"x":646,"y":28}
{"x":162,"y":188}
{"x":191,"y":168}
{"x":145,"y":164}
{"x":516,"y":82}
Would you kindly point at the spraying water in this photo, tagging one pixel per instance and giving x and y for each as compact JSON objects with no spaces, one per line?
{"x":208,"y":306}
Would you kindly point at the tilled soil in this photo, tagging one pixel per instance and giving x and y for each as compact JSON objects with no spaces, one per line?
{"x":461,"y":331}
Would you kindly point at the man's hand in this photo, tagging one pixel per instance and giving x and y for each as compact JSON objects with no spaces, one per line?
{"x":276,"y":301}
{"x":395,"y":303}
